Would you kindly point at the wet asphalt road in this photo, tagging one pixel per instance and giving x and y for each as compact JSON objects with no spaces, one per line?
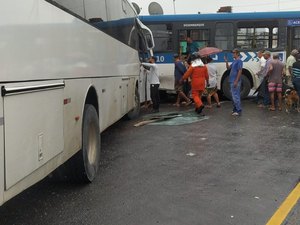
{"x":218,"y":171}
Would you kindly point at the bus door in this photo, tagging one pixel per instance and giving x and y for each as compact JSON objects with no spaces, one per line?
{"x":199,"y":37}
{"x":146,"y":45}
{"x":293,"y":35}
{"x":2,"y":185}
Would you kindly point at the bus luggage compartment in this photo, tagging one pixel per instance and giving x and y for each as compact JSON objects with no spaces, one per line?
{"x":33,"y":127}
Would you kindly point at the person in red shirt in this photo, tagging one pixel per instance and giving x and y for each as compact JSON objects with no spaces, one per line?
{"x":199,"y":74}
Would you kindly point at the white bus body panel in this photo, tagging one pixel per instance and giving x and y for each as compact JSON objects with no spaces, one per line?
{"x":253,"y":66}
{"x":106,"y":10}
{"x":166,"y":76}
{"x":144,"y":85}
{"x":1,"y":153}
{"x":39,"y":42}
{"x":33,"y":131}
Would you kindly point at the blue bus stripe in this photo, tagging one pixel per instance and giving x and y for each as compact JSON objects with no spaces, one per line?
{"x":221,"y":16}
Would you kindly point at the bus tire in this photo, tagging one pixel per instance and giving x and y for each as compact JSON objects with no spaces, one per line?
{"x":226,"y":88}
{"x":245,"y":87}
{"x":83,"y":166}
{"x":90,"y":152}
{"x":135,"y":112}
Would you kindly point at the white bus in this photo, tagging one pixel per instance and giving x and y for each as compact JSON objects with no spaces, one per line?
{"x":68,"y":70}
{"x":277,"y":32}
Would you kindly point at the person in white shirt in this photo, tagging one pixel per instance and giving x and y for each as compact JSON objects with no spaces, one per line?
{"x":154,"y":82}
{"x":260,"y":74}
{"x":288,"y":66}
{"x":212,"y":90}
{"x":262,"y":62}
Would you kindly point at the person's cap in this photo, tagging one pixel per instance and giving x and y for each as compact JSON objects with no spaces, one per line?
{"x":175,"y":56}
{"x":261,"y":51}
{"x":294,"y":52}
{"x":267,"y":53}
{"x":236,"y":50}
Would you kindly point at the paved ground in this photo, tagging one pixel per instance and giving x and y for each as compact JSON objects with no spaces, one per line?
{"x":294,"y":216}
{"x":217,"y":171}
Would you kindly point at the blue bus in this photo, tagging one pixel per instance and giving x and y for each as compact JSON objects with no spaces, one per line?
{"x":277,"y":32}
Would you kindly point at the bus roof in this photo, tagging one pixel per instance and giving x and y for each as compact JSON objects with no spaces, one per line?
{"x":222,"y":16}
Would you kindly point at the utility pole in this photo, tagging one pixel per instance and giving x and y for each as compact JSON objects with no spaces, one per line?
{"x":174,"y":6}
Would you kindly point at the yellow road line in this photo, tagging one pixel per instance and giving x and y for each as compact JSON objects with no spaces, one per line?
{"x":288,"y":204}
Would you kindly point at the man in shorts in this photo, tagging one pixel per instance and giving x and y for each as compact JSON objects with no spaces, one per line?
{"x":179,"y":70}
{"x":275,"y":75}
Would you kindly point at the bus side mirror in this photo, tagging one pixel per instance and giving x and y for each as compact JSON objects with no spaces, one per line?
{"x":146,"y":34}
{"x":149,"y":41}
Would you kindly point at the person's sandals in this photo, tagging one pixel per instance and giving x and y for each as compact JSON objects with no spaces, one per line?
{"x":218,"y":105}
{"x":208,"y":106}
{"x":188,"y":103}
{"x":272,"y":109}
{"x":235,"y":114}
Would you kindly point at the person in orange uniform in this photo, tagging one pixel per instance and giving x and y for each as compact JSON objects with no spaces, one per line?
{"x":199,"y":74}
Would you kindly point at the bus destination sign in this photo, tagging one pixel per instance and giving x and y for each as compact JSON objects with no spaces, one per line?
{"x":294,"y":22}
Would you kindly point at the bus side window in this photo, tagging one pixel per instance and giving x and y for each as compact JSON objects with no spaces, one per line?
{"x":296,"y":37}
{"x":146,"y":34}
{"x":183,"y":47}
{"x":162,"y":34}
{"x":149,"y":40}
{"x":224,"y":36}
{"x":275,"y":37}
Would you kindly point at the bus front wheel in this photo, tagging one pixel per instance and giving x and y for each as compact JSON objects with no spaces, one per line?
{"x":245,"y":87}
{"x":83,"y":166}
{"x":90,"y":151}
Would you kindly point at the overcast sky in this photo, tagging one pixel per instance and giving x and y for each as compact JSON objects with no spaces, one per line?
{"x":211,"y":6}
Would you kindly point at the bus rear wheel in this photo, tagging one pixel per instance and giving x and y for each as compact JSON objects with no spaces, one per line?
{"x":245,"y":87}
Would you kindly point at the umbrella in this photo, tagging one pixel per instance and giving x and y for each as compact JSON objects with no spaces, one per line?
{"x":206,"y":51}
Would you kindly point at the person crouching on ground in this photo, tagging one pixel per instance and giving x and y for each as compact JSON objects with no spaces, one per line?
{"x":198,"y":73}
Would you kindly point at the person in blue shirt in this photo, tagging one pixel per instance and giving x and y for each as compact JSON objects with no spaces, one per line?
{"x":179,"y":70}
{"x":192,"y":47}
{"x":235,"y":81}
{"x":296,"y":74}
